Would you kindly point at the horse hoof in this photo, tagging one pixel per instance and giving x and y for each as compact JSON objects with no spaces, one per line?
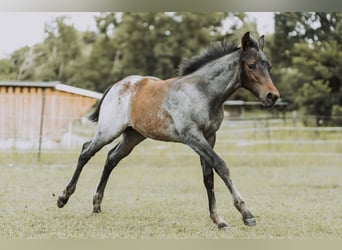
{"x":96,"y":210}
{"x":249,"y":222}
{"x":61,"y":201}
{"x":223,"y":226}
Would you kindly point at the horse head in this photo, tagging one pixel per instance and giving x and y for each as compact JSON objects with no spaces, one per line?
{"x":255,"y":70}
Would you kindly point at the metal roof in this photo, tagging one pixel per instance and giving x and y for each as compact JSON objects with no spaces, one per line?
{"x":56,"y":85}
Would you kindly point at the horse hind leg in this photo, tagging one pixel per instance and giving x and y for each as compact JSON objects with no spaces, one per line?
{"x":130,"y":138}
{"x":89,"y":149}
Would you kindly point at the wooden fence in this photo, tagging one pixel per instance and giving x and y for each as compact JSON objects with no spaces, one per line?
{"x":36,"y":113}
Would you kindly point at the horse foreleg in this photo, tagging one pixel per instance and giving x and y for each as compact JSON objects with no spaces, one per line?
{"x":129,"y":140}
{"x":223,"y":171}
{"x":208,"y":178}
{"x":199,"y":144}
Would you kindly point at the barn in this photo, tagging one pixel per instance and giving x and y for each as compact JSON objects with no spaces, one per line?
{"x":32,"y":111}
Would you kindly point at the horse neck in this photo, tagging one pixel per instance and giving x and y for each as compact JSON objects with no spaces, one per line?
{"x":220,"y":77}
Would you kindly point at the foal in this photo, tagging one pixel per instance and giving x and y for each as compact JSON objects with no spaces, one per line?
{"x":186,"y":109}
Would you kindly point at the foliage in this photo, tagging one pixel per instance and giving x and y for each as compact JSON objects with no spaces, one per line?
{"x":307,"y":49}
{"x":315,"y":98}
{"x":125,"y":43}
{"x":5,"y":69}
{"x":155,"y":43}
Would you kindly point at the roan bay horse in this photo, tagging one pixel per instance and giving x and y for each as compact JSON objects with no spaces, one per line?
{"x":186,"y":109}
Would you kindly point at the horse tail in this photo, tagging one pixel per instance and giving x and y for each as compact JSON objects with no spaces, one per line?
{"x":94,"y":117}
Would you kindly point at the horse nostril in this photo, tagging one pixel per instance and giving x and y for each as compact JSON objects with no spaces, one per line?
{"x":271,"y":97}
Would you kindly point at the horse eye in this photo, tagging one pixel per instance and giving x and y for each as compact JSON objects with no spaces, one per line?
{"x":251,"y":65}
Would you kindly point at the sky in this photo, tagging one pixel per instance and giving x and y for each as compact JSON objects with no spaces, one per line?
{"x":19,"y":29}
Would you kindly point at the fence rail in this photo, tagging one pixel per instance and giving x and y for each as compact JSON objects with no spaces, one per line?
{"x":253,"y":131}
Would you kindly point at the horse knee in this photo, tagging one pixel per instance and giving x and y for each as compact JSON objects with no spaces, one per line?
{"x":221,"y":168}
{"x":89,"y":149}
{"x":119,"y":152}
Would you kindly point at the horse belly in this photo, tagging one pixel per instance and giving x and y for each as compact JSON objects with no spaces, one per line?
{"x":154,"y":125}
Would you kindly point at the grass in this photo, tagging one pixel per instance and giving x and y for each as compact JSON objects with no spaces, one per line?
{"x":293,"y":189}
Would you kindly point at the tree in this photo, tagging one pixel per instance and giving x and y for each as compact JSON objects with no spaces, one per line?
{"x":155,"y":43}
{"x":20,"y":68}
{"x":125,"y":43}
{"x":307,"y":51}
{"x":96,"y":71}
{"x":150,"y":43}
{"x":60,"y":48}
{"x":321,"y":73}
{"x":5,"y":69}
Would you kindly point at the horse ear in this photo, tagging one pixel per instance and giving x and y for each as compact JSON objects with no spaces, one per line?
{"x":261,"y":42}
{"x":246,"y":41}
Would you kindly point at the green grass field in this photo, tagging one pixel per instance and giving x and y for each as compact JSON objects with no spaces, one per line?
{"x":290,"y":179}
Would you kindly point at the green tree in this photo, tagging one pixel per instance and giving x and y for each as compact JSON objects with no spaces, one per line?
{"x":5,"y":69}
{"x":307,"y":53}
{"x":155,"y":43}
{"x":96,"y":71}
{"x":315,"y":97}
{"x":148,"y":43}
{"x":60,"y":48}
{"x":321,"y":72}
{"x":125,"y":43}
{"x":19,"y":65}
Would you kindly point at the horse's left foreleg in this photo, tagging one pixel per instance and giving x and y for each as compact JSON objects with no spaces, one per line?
{"x":195,"y":139}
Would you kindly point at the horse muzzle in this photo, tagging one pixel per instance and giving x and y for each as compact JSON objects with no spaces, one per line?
{"x":270,"y":99}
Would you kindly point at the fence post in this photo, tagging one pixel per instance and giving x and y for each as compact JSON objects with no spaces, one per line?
{"x":41,"y":125}
{"x":294,"y":118}
{"x":268,"y":130}
{"x":70,"y":134}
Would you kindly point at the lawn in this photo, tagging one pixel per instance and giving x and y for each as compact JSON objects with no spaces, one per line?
{"x":290,"y":179}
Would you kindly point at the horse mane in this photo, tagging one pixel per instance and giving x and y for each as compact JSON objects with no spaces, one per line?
{"x":215,"y":51}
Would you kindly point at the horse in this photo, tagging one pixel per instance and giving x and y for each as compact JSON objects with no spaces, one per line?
{"x":186,"y":109}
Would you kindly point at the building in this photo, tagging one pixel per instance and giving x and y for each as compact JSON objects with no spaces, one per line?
{"x":32,"y":111}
